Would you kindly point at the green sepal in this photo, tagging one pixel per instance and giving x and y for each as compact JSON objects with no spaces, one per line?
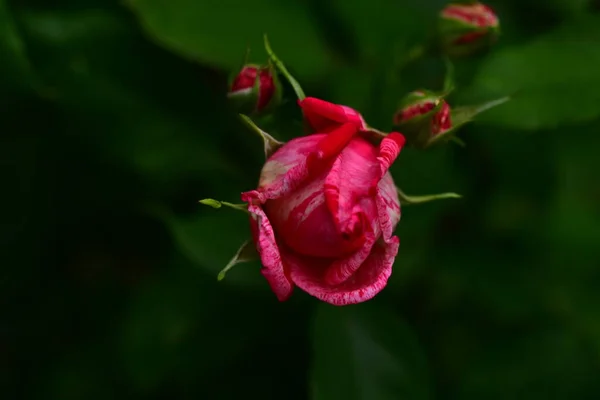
{"x":218,"y":204}
{"x":247,"y":252}
{"x":270,"y":144}
{"x":373,"y":135}
{"x":462,"y":115}
{"x":283,"y":70}
{"x":408,"y":200}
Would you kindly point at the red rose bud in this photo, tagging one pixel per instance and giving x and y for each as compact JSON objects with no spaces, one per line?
{"x":325,"y":209}
{"x":467,"y":28}
{"x":422,"y":115}
{"x":254,"y":89}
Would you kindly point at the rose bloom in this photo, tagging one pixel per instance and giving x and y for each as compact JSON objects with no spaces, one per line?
{"x":325,"y":209}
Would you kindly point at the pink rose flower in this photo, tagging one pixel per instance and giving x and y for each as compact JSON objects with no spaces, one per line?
{"x":325,"y":209}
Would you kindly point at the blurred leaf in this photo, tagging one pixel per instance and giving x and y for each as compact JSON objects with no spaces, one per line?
{"x":366,"y":352}
{"x":183,"y":326}
{"x":211,"y":238}
{"x":386,"y":21}
{"x":139,"y":123}
{"x":219,"y":31}
{"x":575,"y":210}
{"x":462,"y":115}
{"x":551,"y":363}
{"x":554,"y":78}
{"x":15,"y":69}
{"x":283,"y":70}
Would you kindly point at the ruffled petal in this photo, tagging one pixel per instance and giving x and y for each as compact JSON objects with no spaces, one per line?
{"x":369,"y":279}
{"x":388,"y":206}
{"x":273,"y":268}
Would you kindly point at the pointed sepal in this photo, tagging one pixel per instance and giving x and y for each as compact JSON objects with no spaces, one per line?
{"x":407,"y":200}
{"x":247,"y":252}
{"x":459,"y":117}
{"x":283,"y":70}
{"x":449,"y":78}
{"x":270,"y":143}
{"x":218,"y":204}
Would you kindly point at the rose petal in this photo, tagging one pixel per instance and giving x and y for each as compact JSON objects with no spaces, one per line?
{"x":285,"y":170}
{"x":348,"y":182}
{"x":389,"y":148}
{"x":341,"y":270}
{"x":264,"y":238}
{"x":324,"y":116}
{"x":388,"y":206}
{"x":369,"y":279}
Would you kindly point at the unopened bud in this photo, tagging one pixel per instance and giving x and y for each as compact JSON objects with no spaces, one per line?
{"x":254,"y":89}
{"x":422,"y":115}
{"x":467,"y":28}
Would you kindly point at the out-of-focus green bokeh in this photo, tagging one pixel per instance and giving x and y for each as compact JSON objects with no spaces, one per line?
{"x":114,"y":123}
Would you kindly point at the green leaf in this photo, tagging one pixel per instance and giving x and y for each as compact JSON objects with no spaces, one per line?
{"x":462,"y":115}
{"x":218,"y":32}
{"x":173,"y":332}
{"x":212,"y":240}
{"x":75,"y":56}
{"x":15,"y":69}
{"x":386,"y":21}
{"x":554,"y":78}
{"x":365,"y":352}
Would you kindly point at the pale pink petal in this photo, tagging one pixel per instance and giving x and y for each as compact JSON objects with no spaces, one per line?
{"x":369,"y":279}
{"x":388,"y":206}
{"x":273,"y":268}
{"x":285,"y":170}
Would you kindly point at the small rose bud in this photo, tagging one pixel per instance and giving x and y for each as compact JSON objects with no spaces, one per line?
{"x":254,"y":89}
{"x":422,"y":115}
{"x":467,"y":28}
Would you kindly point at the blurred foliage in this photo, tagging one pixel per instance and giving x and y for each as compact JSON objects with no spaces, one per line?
{"x":114,"y":124}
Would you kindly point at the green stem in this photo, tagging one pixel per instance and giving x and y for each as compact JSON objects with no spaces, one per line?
{"x":295,"y":85}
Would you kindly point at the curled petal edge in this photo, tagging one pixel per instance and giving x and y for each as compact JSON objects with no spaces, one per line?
{"x":368,"y":281}
{"x":273,"y":267}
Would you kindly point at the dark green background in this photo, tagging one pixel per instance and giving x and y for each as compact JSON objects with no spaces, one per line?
{"x":114,"y":123}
